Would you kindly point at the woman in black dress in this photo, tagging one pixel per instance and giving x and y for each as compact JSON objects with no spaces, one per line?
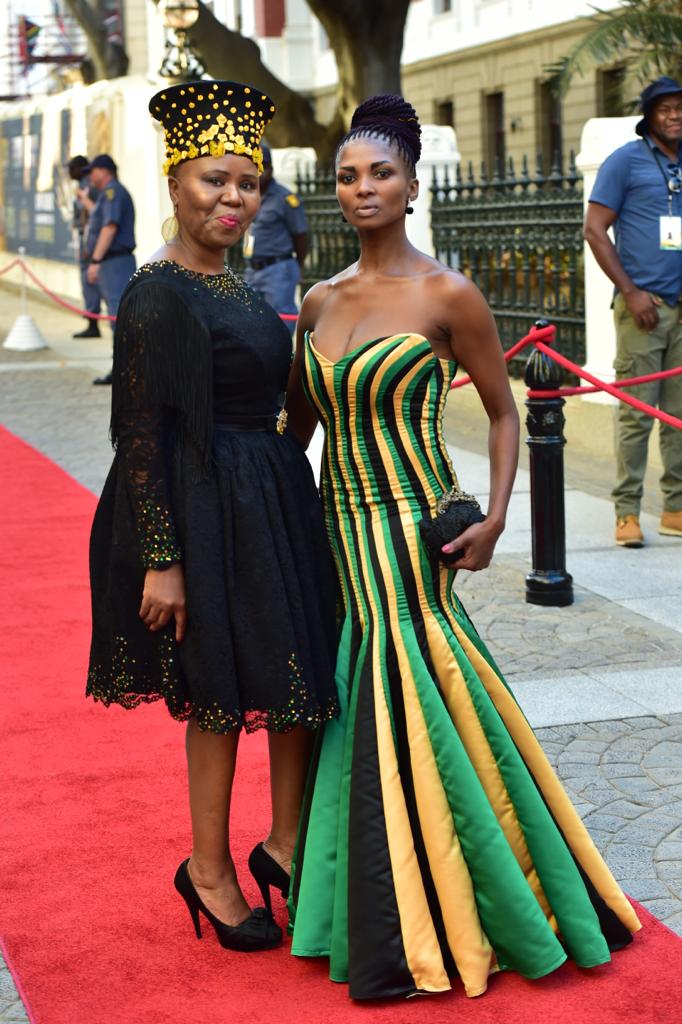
{"x":212,"y":586}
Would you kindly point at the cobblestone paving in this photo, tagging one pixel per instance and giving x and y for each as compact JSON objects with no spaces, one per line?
{"x":59,"y":412}
{"x":531,"y":641}
{"x":624,"y":776}
{"x":11,"y":1007}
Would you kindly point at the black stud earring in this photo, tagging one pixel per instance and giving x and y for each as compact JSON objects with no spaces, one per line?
{"x":409,"y":209}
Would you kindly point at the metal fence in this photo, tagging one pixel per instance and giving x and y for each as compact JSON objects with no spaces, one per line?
{"x":518,"y":237}
{"x":520,"y":240}
{"x":333,"y":243}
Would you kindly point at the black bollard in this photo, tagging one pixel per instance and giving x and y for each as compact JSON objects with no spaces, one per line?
{"x":548,"y":583}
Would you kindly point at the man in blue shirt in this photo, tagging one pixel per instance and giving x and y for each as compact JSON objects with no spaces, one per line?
{"x":638,"y":191}
{"x":277,"y":243}
{"x":111,"y":237}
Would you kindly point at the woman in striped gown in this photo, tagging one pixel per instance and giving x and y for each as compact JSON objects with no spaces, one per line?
{"x":436,"y":840}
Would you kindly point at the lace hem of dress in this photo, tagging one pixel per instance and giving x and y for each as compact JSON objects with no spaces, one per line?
{"x":120,"y":686}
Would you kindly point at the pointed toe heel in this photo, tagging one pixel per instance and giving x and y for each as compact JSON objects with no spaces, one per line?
{"x":268,"y":874}
{"x":258,"y":932}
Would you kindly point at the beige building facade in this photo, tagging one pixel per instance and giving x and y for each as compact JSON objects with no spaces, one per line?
{"x":498,"y":96}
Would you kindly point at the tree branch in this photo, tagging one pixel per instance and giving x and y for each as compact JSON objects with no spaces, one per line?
{"x":109,"y":59}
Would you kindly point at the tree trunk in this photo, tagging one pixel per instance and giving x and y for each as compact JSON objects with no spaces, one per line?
{"x":228,"y":54}
{"x":367,"y":40}
{"x":109,"y":60}
{"x":366,"y":37}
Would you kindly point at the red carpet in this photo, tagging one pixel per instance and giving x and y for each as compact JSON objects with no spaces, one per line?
{"x":94,"y":822}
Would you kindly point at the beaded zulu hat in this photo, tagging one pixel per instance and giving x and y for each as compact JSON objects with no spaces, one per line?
{"x":211,"y":119}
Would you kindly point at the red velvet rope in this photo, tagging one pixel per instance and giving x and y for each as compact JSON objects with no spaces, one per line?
{"x":610,"y":389}
{"x":537,"y":336}
{"x":75,"y":309}
{"x":631,"y":382}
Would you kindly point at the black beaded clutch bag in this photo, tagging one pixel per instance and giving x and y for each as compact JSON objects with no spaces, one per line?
{"x":455,"y":513}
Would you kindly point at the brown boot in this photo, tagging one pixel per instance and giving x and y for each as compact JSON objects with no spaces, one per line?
{"x":671,"y":524}
{"x":628,"y":532}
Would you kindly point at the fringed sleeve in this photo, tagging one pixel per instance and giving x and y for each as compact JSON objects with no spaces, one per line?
{"x":161,"y":394}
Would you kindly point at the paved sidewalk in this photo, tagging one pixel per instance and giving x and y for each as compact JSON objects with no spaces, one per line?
{"x":600,"y":681}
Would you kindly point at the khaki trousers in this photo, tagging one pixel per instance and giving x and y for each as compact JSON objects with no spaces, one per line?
{"x":638,"y":353}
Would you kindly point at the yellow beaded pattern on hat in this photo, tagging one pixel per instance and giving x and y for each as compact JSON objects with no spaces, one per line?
{"x":212,"y":119}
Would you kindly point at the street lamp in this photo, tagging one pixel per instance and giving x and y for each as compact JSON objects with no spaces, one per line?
{"x":179,"y":62}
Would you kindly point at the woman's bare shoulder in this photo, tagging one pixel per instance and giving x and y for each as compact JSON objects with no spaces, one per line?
{"x":313,"y":302}
{"x":451,"y":283}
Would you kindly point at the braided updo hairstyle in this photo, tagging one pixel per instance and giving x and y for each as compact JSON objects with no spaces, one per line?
{"x":391,"y":118}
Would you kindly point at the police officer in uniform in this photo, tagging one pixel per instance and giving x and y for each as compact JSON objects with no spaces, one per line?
{"x":111,"y":237}
{"x":83,"y":204}
{"x":277,"y":243}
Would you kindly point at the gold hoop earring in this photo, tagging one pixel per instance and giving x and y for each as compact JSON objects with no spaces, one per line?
{"x":170,"y":228}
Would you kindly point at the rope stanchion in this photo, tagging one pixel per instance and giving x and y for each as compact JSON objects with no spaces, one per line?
{"x":548,"y":582}
{"x":18,"y":262}
{"x":24,"y":335}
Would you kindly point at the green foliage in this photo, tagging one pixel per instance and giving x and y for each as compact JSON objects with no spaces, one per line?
{"x":645,"y":35}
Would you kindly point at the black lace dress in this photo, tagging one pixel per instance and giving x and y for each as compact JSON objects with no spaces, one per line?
{"x":203,"y":476}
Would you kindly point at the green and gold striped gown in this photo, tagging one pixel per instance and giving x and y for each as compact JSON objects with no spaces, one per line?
{"x":436,"y":841}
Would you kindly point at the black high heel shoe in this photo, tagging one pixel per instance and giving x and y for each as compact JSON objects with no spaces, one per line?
{"x":268,"y":872}
{"x":258,"y":932}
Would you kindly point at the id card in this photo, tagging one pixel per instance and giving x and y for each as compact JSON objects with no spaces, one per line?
{"x":671,"y":233}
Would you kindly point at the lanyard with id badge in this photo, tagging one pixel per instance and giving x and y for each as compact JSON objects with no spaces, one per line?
{"x":670,"y":227}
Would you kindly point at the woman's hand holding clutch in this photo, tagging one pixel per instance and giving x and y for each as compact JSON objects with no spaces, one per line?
{"x":477,"y":543}
{"x":163,"y":597}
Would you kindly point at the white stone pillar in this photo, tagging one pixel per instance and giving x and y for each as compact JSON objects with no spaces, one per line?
{"x":600,"y":137}
{"x":287,"y":162}
{"x":439,"y":149}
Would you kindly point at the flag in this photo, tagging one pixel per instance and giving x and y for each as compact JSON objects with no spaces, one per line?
{"x":28,"y":37}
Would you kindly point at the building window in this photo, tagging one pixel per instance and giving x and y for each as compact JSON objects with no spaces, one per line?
{"x":549,"y":116}
{"x":611,"y":92}
{"x":444,"y":113}
{"x":442,"y":6}
{"x":495,"y":138}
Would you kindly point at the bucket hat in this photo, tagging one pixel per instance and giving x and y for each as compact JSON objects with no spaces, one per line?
{"x":663,"y":86}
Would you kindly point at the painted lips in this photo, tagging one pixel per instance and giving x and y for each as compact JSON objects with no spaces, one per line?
{"x":229,"y":222}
